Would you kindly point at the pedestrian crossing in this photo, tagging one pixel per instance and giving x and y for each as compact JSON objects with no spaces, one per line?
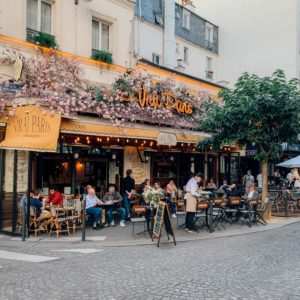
{"x":25,"y":257}
{"x":33,"y":258}
{"x":79,"y":250}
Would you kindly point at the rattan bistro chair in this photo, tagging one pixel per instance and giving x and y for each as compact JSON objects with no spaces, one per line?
{"x":139,"y":213}
{"x":180,"y":210}
{"x":232,"y":210}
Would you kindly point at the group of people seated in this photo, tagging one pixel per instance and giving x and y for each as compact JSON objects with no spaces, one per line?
{"x":112,"y":201}
{"x":151,"y":195}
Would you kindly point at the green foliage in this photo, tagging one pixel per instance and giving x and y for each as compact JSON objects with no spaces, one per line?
{"x":102,"y":56}
{"x":263,"y":112}
{"x":45,"y":40}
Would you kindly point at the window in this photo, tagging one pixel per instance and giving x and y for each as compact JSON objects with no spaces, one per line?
{"x":186,"y":20}
{"x":186,"y":55}
{"x":209,"y":36}
{"x":209,"y":71}
{"x":100,"y":36}
{"x":39,"y":15}
{"x":156,"y":58}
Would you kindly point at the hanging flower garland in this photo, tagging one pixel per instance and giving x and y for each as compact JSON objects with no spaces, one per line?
{"x":57,"y":83}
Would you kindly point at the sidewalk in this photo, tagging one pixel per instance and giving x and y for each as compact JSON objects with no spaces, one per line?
{"x":121,"y":237}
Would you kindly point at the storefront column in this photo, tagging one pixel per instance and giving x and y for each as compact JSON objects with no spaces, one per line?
{"x":2,"y":172}
{"x":15,"y":194}
{"x":206,"y":166}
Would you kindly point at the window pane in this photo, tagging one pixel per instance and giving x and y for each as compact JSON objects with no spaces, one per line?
{"x":105,"y":37}
{"x":95,"y":35}
{"x":32,"y":14}
{"x":45,"y":17}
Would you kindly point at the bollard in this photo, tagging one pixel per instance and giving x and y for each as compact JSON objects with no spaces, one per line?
{"x":24,"y":219}
{"x":286,"y":206}
{"x":210,"y":220}
{"x":83,"y":218}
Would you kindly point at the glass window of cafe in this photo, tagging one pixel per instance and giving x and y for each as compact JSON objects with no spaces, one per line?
{"x":70,"y":173}
{"x":175,"y":166}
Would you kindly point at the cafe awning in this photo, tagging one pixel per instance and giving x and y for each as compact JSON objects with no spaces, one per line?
{"x":32,"y":129}
{"x":85,"y":128}
{"x":165,"y":136}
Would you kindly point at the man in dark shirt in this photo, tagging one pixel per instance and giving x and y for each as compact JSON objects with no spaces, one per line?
{"x":35,"y":201}
{"x":128,"y":186}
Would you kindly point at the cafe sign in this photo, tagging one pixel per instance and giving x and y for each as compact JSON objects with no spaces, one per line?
{"x":166,"y":139}
{"x":166,"y":100}
{"x":31,"y":129}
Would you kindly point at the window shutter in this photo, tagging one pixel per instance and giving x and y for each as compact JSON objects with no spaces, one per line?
{"x":105,"y":37}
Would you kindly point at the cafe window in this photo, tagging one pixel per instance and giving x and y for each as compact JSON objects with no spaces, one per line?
{"x":39,"y":15}
{"x":100,"y":36}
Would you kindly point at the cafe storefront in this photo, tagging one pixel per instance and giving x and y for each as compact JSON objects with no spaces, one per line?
{"x":40,"y":149}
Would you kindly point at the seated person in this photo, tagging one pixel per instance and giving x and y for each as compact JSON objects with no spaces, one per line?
{"x":211,"y":185}
{"x":112,"y":200}
{"x":171,"y":189}
{"x":252,"y":194}
{"x":144,"y":191}
{"x":225,"y":185}
{"x":86,"y":189}
{"x":159,"y":193}
{"x":92,"y":208}
{"x":54,"y":198}
{"x":41,"y":213}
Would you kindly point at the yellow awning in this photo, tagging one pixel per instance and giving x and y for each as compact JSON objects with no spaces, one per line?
{"x":75,"y":127}
{"x":32,"y":130}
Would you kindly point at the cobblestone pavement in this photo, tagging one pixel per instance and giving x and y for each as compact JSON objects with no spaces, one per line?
{"x":263,"y":265}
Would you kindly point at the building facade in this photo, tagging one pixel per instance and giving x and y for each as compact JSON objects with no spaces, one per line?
{"x":105,"y":38}
{"x":256,"y":36}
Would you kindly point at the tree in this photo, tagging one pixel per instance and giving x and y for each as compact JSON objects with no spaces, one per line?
{"x":263,"y":112}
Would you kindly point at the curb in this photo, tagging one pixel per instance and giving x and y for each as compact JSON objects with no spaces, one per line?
{"x":133,"y":243}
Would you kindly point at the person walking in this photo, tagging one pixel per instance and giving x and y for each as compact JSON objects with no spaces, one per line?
{"x":191,"y":200}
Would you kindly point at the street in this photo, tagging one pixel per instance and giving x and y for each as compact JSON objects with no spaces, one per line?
{"x":262,"y":265}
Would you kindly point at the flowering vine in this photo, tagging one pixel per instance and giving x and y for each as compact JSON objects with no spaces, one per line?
{"x":56,"y":82}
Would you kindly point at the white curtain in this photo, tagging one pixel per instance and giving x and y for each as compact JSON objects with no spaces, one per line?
{"x":32,"y":14}
{"x":45,"y":17}
{"x":95,"y":35}
{"x":105,"y":37}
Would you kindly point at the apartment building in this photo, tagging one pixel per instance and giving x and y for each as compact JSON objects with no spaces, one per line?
{"x":257,"y":36}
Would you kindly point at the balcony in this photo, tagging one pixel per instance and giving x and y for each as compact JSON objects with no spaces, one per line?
{"x":102,"y":56}
{"x":211,"y":46}
{"x":209,"y":74}
{"x":41,"y":38}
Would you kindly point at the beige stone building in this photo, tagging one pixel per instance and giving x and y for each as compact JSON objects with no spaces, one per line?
{"x":101,"y":37}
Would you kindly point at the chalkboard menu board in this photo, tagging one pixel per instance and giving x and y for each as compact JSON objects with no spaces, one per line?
{"x":162,"y":219}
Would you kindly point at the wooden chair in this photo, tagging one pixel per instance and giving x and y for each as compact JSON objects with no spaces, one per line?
{"x":75,"y":218}
{"x":139,"y":211}
{"x":59,"y":220}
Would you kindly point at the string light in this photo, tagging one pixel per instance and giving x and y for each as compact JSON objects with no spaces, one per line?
{"x":107,"y":139}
